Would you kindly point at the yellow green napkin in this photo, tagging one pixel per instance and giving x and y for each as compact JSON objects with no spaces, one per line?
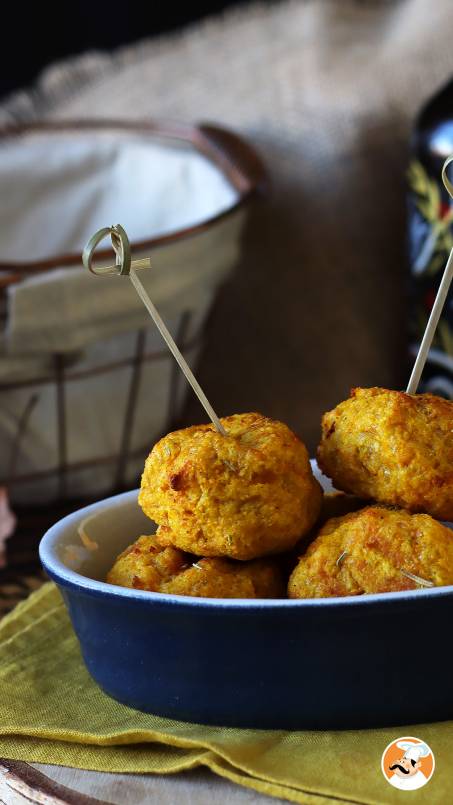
{"x":52,"y":712}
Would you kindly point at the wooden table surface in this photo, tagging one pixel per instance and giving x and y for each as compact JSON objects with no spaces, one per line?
{"x":22,"y":783}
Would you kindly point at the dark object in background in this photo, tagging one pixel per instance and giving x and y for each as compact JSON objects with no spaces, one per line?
{"x":431,"y":236}
{"x":48,"y":36}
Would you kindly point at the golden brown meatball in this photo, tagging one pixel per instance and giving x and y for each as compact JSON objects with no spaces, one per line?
{"x":392,"y":447}
{"x":243,"y":495}
{"x":372,"y":551}
{"x":147,"y":565}
{"x":227,"y":578}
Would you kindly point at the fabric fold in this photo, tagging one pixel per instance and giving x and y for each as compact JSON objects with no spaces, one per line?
{"x":52,"y":712}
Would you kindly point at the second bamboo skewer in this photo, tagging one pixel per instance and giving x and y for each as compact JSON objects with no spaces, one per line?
{"x":439,"y":303}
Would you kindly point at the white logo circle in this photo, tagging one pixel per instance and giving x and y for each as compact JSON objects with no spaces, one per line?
{"x":407,"y":763}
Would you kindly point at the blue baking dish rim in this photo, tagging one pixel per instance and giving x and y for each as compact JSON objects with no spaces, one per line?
{"x":82,"y":584}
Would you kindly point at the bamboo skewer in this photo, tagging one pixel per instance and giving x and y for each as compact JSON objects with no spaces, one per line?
{"x":124,"y":266}
{"x":438,"y":306}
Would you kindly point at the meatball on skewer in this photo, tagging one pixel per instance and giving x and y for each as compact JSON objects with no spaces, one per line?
{"x":244,"y":495}
{"x":392,"y":447}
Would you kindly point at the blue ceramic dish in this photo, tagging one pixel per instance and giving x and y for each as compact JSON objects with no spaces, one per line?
{"x":327,"y":663}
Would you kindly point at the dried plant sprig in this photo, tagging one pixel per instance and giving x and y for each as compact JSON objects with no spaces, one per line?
{"x":341,"y":558}
{"x":417,"y":579}
{"x":86,"y":540}
{"x":229,"y":465}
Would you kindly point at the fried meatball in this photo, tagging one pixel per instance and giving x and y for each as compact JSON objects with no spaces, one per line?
{"x":244,"y":495}
{"x":227,"y":578}
{"x":392,"y":447}
{"x":147,"y":565}
{"x":373,"y":551}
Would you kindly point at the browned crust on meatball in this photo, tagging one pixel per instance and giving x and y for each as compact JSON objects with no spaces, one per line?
{"x":371,"y":551}
{"x":392,"y":447}
{"x":148,"y":565}
{"x":244,"y":495}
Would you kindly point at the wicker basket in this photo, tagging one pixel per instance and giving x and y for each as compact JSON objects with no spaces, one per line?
{"x":76,"y":421}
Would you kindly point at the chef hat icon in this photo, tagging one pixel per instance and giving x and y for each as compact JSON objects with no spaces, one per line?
{"x":412,"y":750}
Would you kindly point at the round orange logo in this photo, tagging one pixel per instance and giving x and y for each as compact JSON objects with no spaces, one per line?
{"x":407,"y":763}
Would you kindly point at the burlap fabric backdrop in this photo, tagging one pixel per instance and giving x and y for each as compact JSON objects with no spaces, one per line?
{"x":327,"y":91}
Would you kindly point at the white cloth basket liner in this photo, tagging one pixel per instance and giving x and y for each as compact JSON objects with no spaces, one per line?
{"x":86,"y":383}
